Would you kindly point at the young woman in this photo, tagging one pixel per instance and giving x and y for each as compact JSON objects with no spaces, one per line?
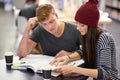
{"x":98,"y":48}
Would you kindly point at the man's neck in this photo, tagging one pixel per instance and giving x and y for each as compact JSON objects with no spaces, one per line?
{"x":60,"y":29}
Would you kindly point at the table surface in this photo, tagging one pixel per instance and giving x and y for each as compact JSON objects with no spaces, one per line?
{"x":6,"y":74}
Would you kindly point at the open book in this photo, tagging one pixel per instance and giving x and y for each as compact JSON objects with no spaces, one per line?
{"x":38,"y":62}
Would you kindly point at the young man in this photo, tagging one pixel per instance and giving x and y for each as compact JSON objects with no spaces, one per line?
{"x":57,"y":38}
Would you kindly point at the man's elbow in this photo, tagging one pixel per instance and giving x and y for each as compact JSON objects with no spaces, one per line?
{"x":21,"y":54}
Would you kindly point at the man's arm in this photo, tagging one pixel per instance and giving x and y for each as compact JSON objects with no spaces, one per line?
{"x":26,"y":45}
{"x":62,"y":53}
{"x":66,"y":59}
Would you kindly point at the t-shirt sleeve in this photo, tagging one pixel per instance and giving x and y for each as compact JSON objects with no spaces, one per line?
{"x":80,"y":52}
{"x":35,"y":34}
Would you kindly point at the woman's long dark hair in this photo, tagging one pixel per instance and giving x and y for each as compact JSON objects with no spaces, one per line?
{"x":89,"y":42}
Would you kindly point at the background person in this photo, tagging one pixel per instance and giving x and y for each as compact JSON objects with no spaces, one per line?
{"x":29,"y":9}
{"x":55,"y":37}
{"x":98,"y":47}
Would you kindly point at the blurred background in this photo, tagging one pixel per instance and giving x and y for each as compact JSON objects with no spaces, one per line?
{"x":10,"y":33}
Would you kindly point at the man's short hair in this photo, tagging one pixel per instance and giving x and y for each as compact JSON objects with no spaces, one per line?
{"x":43,"y":12}
{"x":30,"y":0}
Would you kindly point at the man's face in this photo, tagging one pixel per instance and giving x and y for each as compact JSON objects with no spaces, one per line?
{"x":51,"y":24}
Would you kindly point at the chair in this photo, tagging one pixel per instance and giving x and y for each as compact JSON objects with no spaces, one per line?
{"x":18,"y":3}
{"x":21,"y":23}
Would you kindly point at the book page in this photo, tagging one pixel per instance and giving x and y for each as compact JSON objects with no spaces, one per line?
{"x":38,"y":62}
{"x":35,"y":63}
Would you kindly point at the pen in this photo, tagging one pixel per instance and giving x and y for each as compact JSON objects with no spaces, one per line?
{"x":22,"y":62}
{"x":74,"y":63}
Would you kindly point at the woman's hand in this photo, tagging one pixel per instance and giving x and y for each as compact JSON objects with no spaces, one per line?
{"x":65,"y":69}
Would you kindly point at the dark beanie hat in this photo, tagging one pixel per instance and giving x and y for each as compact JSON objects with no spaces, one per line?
{"x":88,"y":13}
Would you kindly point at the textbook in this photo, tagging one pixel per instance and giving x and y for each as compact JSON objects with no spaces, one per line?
{"x":37,"y":62}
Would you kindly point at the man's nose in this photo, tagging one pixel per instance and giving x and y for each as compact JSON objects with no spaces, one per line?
{"x":48,"y":26}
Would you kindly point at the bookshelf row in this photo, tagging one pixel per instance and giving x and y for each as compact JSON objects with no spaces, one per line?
{"x":113,"y":8}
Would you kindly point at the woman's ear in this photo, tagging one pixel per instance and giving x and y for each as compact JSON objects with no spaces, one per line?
{"x":56,"y":15}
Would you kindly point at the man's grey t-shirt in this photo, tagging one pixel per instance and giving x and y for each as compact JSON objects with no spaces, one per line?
{"x":51,"y":45}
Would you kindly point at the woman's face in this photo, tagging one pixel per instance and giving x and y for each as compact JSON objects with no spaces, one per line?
{"x":82,"y":28}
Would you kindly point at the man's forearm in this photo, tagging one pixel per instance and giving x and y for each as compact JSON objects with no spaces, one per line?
{"x":74,"y":56}
{"x":23,"y":46}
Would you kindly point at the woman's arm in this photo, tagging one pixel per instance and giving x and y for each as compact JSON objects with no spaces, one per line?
{"x":79,"y":70}
{"x":65,"y":59}
{"x":86,"y":72}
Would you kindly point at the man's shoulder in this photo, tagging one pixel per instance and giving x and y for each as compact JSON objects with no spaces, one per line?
{"x":70,"y":25}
